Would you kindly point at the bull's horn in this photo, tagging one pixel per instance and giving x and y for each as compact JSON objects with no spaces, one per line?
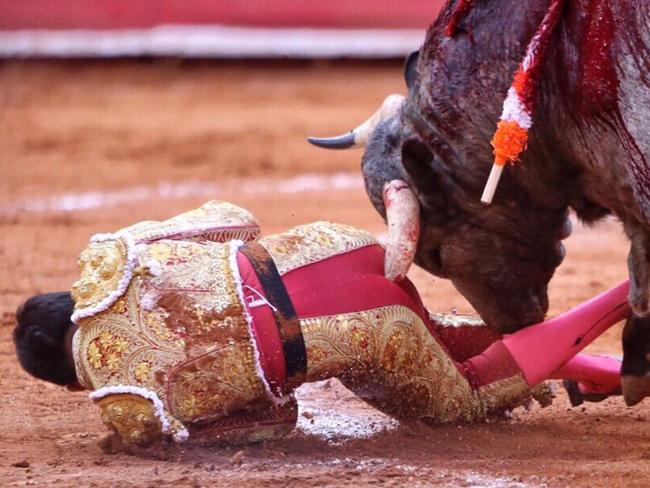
{"x":359,"y":137}
{"x":346,"y":141}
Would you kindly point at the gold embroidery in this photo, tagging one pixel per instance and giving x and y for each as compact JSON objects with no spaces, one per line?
{"x":119,"y":306}
{"x":506,"y":393}
{"x":311,"y":243}
{"x":220,"y":383}
{"x":102,"y":267}
{"x":190,"y":407}
{"x":190,"y":344}
{"x":132,"y":417}
{"x":160,"y":254}
{"x":95,"y":355}
{"x":111,"y":346}
{"x":106,"y":351}
{"x":180,"y":309}
{"x":214,"y":221}
{"x":142,"y":371}
{"x":388,"y":357}
{"x":156,"y":323}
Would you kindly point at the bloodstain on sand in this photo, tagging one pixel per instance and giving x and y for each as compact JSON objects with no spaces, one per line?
{"x":68,"y":128}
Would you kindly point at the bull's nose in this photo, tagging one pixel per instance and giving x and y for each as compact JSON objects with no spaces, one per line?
{"x":567,"y":229}
{"x":533,"y":310}
{"x":521,"y":313}
{"x":560,"y":253}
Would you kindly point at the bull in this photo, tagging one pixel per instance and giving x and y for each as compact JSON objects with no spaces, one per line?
{"x":428,"y":155}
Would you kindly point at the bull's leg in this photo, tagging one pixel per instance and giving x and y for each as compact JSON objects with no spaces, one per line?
{"x":636,"y":335}
{"x":638,"y":263}
{"x":635,"y":371}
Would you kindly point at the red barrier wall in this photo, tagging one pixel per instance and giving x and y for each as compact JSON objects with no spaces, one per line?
{"x":119,"y":14}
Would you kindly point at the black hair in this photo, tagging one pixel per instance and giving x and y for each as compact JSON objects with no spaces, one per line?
{"x":42,"y":323}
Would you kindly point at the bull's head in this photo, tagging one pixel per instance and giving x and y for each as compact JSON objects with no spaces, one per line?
{"x":501,"y":257}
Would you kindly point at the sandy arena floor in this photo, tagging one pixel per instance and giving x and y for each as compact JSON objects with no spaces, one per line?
{"x":91,"y":147}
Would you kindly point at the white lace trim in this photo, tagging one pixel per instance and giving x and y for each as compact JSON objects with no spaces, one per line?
{"x":159,"y":409}
{"x":131,"y":261}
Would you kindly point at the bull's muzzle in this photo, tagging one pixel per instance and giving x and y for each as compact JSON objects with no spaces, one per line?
{"x":359,"y":137}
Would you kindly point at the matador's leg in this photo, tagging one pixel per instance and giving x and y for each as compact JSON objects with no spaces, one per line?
{"x":466,"y":336}
{"x":593,"y":374}
{"x":463,"y":336}
{"x":547,"y":350}
{"x":391,"y":359}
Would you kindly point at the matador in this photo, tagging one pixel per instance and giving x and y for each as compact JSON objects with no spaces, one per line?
{"x":196,"y":327}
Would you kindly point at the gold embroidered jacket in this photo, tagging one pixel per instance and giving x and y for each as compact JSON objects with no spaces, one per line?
{"x":163,"y":338}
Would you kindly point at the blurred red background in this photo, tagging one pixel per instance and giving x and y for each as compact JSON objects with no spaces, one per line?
{"x":117,"y":14}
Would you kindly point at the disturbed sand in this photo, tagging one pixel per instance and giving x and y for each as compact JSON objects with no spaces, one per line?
{"x":90,"y":147}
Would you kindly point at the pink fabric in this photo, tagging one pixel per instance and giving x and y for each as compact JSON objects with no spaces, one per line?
{"x":266,"y":335}
{"x":493,"y":364}
{"x":354,"y":281}
{"x":540,"y":350}
{"x":349,"y":282}
{"x":596,"y":374}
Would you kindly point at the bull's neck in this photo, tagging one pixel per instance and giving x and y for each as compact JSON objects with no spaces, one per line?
{"x":457,"y":102}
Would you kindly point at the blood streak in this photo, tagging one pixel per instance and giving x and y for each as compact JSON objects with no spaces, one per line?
{"x":598,"y":78}
{"x":461,"y":11}
{"x":599,"y":87}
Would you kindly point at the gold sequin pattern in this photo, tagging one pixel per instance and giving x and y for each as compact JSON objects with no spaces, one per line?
{"x":200,"y":296}
{"x":307,"y":244}
{"x":388,"y":357}
{"x":505,"y":393}
{"x":101,"y":266}
{"x":112,"y":347}
{"x":131,"y":417}
{"x":180,"y":332}
{"x":220,"y":383}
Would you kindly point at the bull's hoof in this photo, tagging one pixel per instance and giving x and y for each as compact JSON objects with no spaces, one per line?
{"x":635,"y":388}
{"x":635,"y":370}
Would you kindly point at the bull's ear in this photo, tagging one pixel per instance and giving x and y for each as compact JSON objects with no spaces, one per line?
{"x":410,"y":69}
{"x":423,"y":175}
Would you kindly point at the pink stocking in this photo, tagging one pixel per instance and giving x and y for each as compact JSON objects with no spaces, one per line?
{"x":595,"y":374}
{"x":545,"y":350}
{"x":542,"y":349}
